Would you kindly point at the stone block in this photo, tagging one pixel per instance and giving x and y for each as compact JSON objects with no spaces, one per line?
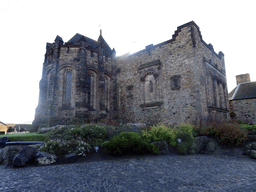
{"x":253,"y":146}
{"x":162,"y":146}
{"x":253,"y":154}
{"x":9,"y":152}
{"x":25,"y":156}
{"x":45,"y":158}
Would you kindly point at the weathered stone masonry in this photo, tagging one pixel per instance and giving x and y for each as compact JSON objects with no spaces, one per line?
{"x":171,"y":82}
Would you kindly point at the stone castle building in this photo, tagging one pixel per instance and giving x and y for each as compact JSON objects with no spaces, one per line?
{"x":242,"y":99}
{"x":170,"y":82}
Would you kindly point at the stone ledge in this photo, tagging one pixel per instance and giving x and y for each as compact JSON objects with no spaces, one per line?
{"x":149,"y":64}
{"x":152,"y":104}
{"x":218,"y":109}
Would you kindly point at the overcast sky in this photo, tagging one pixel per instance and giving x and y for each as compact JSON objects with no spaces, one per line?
{"x":128,"y":26}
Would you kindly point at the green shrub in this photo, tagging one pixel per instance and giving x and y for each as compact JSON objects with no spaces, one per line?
{"x":224,"y":133}
{"x":185,"y":143}
{"x":58,"y":132}
{"x":127,"y":143}
{"x":186,"y":127}
{"x":62,"y":147}
{"x":93,"y":134}
{"x":160,"y":133}
{"x":248,"y":127}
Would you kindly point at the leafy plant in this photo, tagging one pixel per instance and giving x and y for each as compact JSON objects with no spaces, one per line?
{"x":62,"y":147}
{"x":248,"y":127}
{"x":185,"y":139}
{"x":127,"y":143}
{"x":224,"y":133}
{"x":160,"y":133}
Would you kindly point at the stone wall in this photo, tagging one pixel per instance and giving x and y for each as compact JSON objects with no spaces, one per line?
{"x":245,"y":109}
{"x":174,"y":81}
{"x":169,"y":83}
{"x":77,"y":80}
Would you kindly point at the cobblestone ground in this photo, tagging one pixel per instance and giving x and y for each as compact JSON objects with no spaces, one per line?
{"x":154,"y":173}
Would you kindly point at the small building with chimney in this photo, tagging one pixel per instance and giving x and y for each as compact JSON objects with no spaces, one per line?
{"x":242,"y":99}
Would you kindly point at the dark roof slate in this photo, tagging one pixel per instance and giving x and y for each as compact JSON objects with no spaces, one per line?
{"x":245,"y":91}
{"x":89,"y":42}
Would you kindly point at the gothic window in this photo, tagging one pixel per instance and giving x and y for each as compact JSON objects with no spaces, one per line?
{"x":91,"y":89}
{"x":68,"y":88}
{"x":150,"y":84}
{"x":49,"y":85}
{"x":107,"y":91}
{"x":175,"y":82}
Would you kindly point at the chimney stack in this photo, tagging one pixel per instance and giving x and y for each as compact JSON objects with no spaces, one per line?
{"x":244,"y":78}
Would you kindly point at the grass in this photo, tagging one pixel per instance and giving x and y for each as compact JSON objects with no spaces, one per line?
{"x":25,"y":137}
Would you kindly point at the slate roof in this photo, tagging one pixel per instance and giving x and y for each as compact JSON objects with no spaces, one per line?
{"x":245,"y":91}
{"x":89,"y":42}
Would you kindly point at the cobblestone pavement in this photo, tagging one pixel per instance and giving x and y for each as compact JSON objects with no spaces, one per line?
{"x":150,"y":173}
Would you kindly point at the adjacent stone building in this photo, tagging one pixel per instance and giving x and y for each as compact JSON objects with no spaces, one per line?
{"x":3,"y":128}
{"x":242,"y":99}
{"x":174,"y":81}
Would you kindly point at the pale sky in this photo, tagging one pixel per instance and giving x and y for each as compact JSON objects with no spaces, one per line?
{"x":128,"y":26}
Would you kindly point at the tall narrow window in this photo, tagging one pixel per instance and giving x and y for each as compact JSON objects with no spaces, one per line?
{"x":107,"y":91}
{"x":150,"y":87}
{"x":150,"y":83}
{"x":68,"y":90}
{"x":91,"y":89}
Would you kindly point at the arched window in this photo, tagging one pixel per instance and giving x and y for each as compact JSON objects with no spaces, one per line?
{"x":49,"y":85}
{"x":68,"y":88}
{"x":107,"y":91}
{"x":92,"y":89}
{"x":150,"y":91}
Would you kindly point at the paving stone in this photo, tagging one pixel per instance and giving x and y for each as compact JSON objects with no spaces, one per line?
{"x":149,"y":173}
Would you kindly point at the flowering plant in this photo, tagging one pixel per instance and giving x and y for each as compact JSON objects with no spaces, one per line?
{"x":63,"y":147}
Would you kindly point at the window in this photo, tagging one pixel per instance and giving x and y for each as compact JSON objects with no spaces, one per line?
{"x":176,"y":82}
{"x":91,"y":89}
{"x":150,"y":84}
{"x":107,"y":92}
{"x":68,"y":89}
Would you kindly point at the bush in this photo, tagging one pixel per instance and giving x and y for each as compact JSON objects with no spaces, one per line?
{"x":185,"y":141}
{"x":93,"y":134}
{"x":128,"y":143}
{"x":248,"y":127}
{"x":62,"y":147}
{"x":224,"y":133}
{"x":160,"y":133}
{"x":186,"y":127}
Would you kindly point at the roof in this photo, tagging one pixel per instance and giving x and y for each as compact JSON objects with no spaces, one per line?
{"x":230,"y":95}
{"x":89,"y":42}
{"x":245,"y":91}
{"x":2,"y":123}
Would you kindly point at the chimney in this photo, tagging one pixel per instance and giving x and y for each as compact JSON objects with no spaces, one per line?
{"x":244,"y":78}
